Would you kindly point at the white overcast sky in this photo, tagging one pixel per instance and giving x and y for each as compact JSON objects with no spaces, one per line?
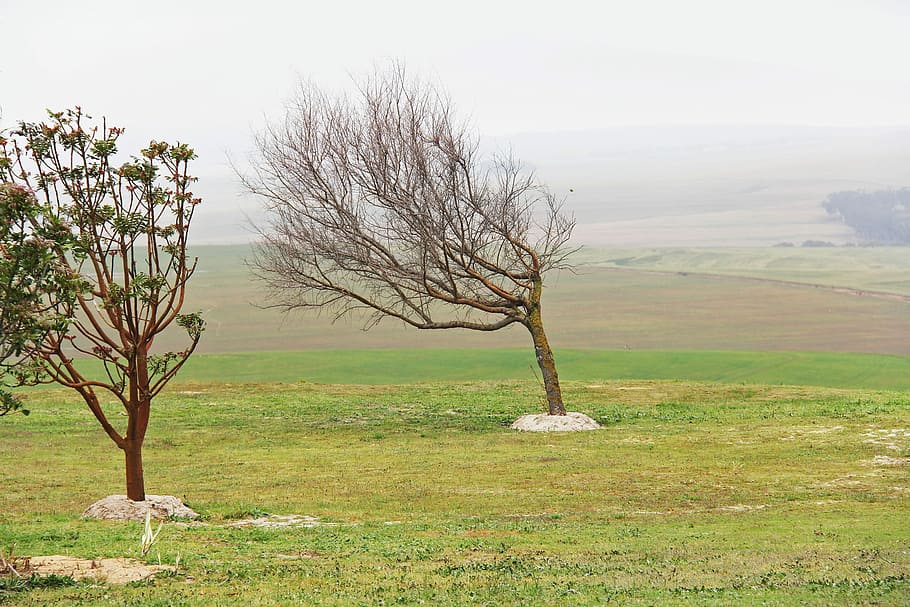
{"x":206,"y":71}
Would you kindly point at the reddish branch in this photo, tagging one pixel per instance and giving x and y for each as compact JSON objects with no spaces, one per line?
{"x":123,"y":243}
{"x":382,"y":203}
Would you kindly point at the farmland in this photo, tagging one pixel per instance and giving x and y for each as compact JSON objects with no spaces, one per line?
{"x":754,"y":450}
{"x":604,"y":305}
{"x":693,"y":493}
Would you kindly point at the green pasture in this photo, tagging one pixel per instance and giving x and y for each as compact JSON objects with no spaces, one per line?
{"x":755,"y":448}
{"x":600,"y":307}
{"x":416,"y":366}
{"x":692,"y":494}
{"x":870,"y":268}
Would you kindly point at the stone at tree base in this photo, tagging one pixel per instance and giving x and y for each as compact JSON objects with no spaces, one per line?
{"x":543,"y":422}
{"x":119,"y":508}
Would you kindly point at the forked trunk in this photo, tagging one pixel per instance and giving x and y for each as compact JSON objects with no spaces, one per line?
{"x":545,"y":359}
{"x":135,"y":484}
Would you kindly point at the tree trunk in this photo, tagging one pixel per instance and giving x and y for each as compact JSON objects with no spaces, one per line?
{"x":545,"y":359}
{"x":135,"y":483}
{"x":138,"y":411}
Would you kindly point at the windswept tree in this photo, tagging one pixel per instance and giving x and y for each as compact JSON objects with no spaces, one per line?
{"x":105,"y":268}
{"x":381,"y":203}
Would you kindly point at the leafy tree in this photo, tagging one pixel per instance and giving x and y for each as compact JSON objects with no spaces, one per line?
{"x":110,"y":243}
{"x":382,"y":203}
{"x":881,"y":216}
{"x":28,"y":271}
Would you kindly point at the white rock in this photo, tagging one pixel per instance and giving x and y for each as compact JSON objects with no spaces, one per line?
{"x":119,"y":508}
{"x":542,"y":422}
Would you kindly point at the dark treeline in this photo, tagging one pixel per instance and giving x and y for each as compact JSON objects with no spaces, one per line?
{"x":881,"y":217}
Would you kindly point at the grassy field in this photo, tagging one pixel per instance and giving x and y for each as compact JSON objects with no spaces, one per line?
{"x":869,"y":268}
{"x":415,"y":366}
{"x":602,"y":308}
{"x":755,"y":449}
{"x":692,"y":494}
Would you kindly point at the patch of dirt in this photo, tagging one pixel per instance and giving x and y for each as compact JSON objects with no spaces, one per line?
{"x":541,"y":422}
{"x":637,"y":440}
{"x":524,"y":517}
{"x":887,"y":460}
{"x":297,"y":557}
{"x":894,"y":438}
{"x":735,"y":508}
{"x":804,"y":432}
{"x":851,"y":481}
{"x":278,"y":521}
{"x":488,"y":533}
{"x":112,"y":571}
{"x":742,"y":507}
{"x":119,"y":508}
{"x":825,"y":430}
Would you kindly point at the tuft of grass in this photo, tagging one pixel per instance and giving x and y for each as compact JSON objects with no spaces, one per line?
{"x":10,"y":583}
{"x":246,"y":511}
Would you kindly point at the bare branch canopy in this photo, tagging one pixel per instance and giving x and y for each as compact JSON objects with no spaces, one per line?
{"x":380,"y":202}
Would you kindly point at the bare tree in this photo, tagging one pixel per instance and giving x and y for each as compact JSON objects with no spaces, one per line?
{"x":109,"y":246}
{"x":382,"y":203}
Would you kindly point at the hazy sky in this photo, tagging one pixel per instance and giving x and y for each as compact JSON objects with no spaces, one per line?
{"x":206,"y":71}
{"x":214,"y":67}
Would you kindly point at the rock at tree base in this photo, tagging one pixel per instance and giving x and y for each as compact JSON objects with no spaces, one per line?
{"x":542,"y":422}
{"x":119,"y":508}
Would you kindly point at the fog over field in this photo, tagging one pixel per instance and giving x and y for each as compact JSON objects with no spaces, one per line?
{"x":663,"y":123}
{"x":715,"y":186}
{"x":667,"y":186}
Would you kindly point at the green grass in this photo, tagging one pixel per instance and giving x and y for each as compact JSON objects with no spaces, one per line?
{"x":723,"y":476}
{"x":600,"y":308}
{"x":692,"y":494}
{"x":837,"y":370}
